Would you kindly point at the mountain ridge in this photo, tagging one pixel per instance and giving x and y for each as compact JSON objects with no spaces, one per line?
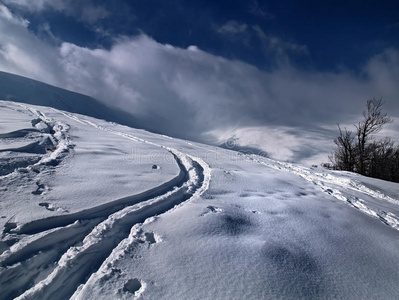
{"x":29,"y":91}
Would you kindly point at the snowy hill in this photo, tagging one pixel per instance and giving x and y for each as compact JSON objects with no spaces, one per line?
{"x":25,"y":90}
{"x":96,"y":210}
{"x":308,"y":146}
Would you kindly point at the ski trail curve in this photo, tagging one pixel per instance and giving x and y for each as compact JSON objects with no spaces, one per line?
{"x":46,"y":269}
{"x":330,"y":184}
{"x":102,"y":210}
{"x":52,"y":143}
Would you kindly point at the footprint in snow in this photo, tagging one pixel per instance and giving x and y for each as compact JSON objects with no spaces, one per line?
{"x":52,"y":207}
{"x":134,"y":286}
{"x":40,"y":189}
{"x":147,"y":237}
{"x":211,"y":209}
{"x":47,"y":206}
{"x":150,"y":237}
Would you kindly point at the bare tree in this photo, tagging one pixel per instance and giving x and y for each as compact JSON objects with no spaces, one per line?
{"x":372,"y":123}
{"x":344,"y":157}
{"x":384,"y":162}
{"x":359,"y":152}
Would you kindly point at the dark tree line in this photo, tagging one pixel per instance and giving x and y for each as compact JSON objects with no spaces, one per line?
{"x":358,"y":151}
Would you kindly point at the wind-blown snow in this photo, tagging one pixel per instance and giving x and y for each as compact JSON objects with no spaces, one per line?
{"x":96,"y":210}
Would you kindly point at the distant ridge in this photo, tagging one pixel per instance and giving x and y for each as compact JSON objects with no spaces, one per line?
{"x":24,"y":90}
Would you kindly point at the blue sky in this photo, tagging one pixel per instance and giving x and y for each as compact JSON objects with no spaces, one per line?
{"x":328,"y":34}
{"x":283,"y":71}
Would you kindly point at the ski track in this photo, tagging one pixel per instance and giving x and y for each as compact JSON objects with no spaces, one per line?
{"x":57,"y":135}
{"x":330,"y":184}
{"x":54,"y":256}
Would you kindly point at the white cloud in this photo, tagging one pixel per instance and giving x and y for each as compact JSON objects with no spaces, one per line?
{"x":232,"y":27}
{"x":259,"y":10}
{"x":5,"y":13}
{"x":383,"y":73}
{"x":189,"y":93}
{"x":272,"y":46}
{"x":193,"y":48}
{"x":305,"y":145}
{"x":24,"y":54}
{"x":278,"y":46}
{"x":271,"y":140}
{"x":36,"y":5}
{"x":44,"y":32}
{"x":20,"y":59}
{"x":84,"y":10}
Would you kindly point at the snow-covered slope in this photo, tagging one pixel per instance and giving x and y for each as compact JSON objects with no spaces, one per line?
{"x":25,"y":90}
{"x":96,"y":210}
{"x":304,"y":145}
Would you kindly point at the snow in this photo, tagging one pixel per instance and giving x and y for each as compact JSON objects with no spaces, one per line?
{"x":96,"y":210}
{"x":304,"y":145}
{"x":25,"y":90}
